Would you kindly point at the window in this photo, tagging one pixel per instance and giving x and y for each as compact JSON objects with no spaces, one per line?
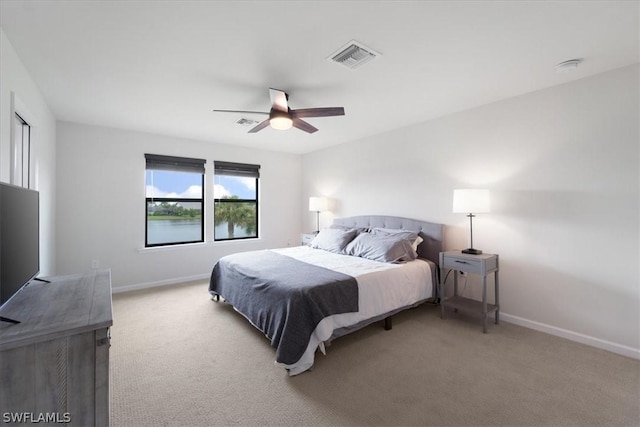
{"x":174,"y":200}
{"x":21,"y":154}
{"x":235,"y":194}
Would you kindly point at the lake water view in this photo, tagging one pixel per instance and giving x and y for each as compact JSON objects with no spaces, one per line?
{"x":183,"y":230}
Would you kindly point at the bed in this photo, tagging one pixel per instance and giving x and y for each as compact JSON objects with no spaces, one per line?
{"x":360,"y":270}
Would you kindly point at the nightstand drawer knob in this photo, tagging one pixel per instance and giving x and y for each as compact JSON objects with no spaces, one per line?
{"x":461,"y":262}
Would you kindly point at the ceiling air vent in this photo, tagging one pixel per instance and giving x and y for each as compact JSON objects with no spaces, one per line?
{"x":246,"y":122}
{"x":353,"y":55}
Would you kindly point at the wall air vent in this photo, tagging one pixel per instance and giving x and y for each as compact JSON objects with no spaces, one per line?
{"x":353,"y":55}
{"x":246,"y":122}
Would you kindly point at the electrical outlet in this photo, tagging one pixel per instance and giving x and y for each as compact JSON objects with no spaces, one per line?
{"x":95,"y":264}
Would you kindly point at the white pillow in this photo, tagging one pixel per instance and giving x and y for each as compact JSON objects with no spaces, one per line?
{"x":416,"y":243}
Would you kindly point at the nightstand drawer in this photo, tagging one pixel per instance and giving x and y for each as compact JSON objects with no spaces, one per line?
{"x":463,"y":264}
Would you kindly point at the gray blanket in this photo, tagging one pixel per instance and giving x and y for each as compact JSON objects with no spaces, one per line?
{"x":283,"y":297}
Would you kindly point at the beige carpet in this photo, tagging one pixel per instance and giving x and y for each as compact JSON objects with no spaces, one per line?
{"x":180,"y":359}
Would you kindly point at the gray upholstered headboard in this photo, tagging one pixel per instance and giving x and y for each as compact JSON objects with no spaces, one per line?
{"x":433,"y":234}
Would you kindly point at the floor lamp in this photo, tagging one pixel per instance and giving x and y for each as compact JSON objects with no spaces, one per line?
{"x":470,"y":202}
{"x":317,"y":205}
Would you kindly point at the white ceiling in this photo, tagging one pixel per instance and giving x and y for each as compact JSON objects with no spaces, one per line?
{"x":162,"y":67}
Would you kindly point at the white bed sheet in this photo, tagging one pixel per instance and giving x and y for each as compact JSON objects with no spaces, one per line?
{"x":382,"y":288}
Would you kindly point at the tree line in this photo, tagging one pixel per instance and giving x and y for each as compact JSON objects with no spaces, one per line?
{"x":240,"y":214}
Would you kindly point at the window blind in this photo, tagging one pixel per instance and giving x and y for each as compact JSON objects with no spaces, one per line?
{"x":176,"y":164}
{"x":236,"y":169}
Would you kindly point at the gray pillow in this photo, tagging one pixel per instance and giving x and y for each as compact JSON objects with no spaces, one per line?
{"x":381,"y":247}
{"x":411,"y":236}
{"x":405,"y":234}
{"x":344,"y":227}
{"x":333,"y":239}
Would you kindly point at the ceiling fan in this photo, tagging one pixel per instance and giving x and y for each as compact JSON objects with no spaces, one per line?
{"x":282,"y":117}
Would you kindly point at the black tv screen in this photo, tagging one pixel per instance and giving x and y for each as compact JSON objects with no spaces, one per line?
{"x":19,"y":238}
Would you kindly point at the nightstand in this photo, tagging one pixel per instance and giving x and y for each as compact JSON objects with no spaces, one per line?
{"x":306,"y":238}
{"x":482,"y":265}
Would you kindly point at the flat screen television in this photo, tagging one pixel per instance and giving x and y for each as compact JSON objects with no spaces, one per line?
{"x":19,"y":239}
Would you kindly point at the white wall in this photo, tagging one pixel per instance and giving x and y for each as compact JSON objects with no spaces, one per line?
{"x":562,"y":167}
{"x":17,"y":87}
{"x":101,"y":208}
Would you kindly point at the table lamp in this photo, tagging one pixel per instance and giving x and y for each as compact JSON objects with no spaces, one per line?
{"x":470,"y":202}
{"x":317,"y":205}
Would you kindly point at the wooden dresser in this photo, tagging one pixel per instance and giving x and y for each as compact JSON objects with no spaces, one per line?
{"x":54,"y":365}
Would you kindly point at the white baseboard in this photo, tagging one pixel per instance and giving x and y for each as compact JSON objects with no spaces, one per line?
{"x":623,"y":350}
{"x":166,"y":282}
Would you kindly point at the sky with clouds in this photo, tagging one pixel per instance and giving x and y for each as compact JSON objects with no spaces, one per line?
{"x":188,"y":185}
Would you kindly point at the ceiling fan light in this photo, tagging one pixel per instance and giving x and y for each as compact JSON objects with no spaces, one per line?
{"x":281,"y":122}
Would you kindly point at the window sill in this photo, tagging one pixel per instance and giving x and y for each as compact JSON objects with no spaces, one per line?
{"x":196,"y":245}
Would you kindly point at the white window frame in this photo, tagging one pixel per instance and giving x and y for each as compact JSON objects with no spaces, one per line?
{"x":22,"y":170}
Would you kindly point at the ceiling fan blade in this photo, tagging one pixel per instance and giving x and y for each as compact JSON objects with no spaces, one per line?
{"x":259,"y":126}
{"x":302,"y":125}
{"x":278,"y":100}
{"x":241,"y":112}
{"x":318,"y":112}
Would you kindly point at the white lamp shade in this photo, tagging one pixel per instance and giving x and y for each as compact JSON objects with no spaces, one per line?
{"x":281,"y":122}
{"x":471,"y":201}
{"x":318,"y":204}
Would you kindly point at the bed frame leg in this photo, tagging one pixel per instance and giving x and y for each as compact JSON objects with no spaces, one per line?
{"x":387,"y":323}
{"x":216,"y":298}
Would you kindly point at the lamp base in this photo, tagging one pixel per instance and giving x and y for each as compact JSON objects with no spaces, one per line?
{"x":472,"y":251}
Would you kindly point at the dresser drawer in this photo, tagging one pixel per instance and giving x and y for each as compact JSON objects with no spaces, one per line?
{"x":463,"y":264}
